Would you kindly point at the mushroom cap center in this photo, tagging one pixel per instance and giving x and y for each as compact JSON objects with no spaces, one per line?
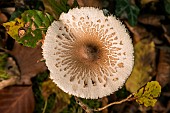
{"x":91,"y":52}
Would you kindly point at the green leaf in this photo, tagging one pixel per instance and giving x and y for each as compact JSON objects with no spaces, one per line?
{"x":3,"y":61}
{"x":121,"y":6}
{"x":30,"y":29}
{"x":37,"y":87}
{"x":73,"y":107}
{"x":75,"y":4}
{"x":131,"y":12}
{"x":147,"y":95}
{"x":50,"y":103}
{"x":62,"y":98}
{"x":3,"y":75}
{"x":167,"y":6}
{"x":55,"y":8}
{"x":143,"y":66}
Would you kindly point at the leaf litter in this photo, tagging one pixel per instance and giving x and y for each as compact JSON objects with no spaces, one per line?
{"x":150,"y":35}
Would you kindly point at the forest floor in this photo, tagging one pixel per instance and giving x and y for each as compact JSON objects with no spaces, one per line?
{"x":25,"y":86}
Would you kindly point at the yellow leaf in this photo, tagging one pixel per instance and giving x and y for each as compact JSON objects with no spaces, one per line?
{"x":144,"y":61}
{"x":147,"y":95}
{"x":12,"y":27}
{"x":62,"y":98}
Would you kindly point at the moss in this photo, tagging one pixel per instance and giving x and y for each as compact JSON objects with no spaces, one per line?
{"x":73,"y":107}
{"x":39,"y":99}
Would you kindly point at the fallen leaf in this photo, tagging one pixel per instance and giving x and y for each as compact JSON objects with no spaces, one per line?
{"x":143,"y":67}
{"x":167,"y":6}
{"x":130,"y":108}
{"x":168,"y":107}
{"x":125,"y":9}
{"x":71,"y":2}
{"x":3,"y":18}
{"x":3,"y":60}
{"x":63,"y":99}
{"x":143,"y":109}
{"x":27,"y":59}
{"x":159,"y":108}
{"x":89,"y":3}
{"x":144,"y":2}
{"x":150,"y":19}
{"x":147,"y":95}
{"x":8,"y":10}
{"x":56,"y":7}
{"x":12,"y":27}
{"x":104,"y":103}
{"x":17,"y":99}
{"x":163,"y":69}
{"x":139,"y":32}
{"x":30,"y":28}
{"x":86,"y":3}
{"x":166,"y":29}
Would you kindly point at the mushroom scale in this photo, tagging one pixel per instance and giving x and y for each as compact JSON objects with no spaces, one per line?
{"x":88,"y":54}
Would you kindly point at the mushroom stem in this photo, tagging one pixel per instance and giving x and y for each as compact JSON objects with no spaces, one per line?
{"x":84,"y":106}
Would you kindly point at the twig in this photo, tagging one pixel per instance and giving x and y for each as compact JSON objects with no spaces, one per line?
{"x":84,"y":106}
{"x":41,"y":60}
{"x":113,"y":103}
{"x":4,"y":50}
{"x":89,"y":110}
{"x":8,"y":82}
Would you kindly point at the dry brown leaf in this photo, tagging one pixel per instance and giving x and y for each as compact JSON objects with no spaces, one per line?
{"x":139,"y":32}
{"x":17,"y":99}
{"x":163,"y":69}
{"x":70,"y":2}
{"x":86,"y":3}
{"x":104,"y":103}
{"x":131,"y":108}
{"x":8,"y":10}
{"x":150,"y":19}
{"x":49,"y":9}
{"x":27,"y":59}
{"x":168,"y":107}
{"x":159,"y":108}
{"x":3,"y":18}
{"x":143,"y":2}
{"x":166,"y":29}
{"x":143,"y":109}
{"x":89,"y":3}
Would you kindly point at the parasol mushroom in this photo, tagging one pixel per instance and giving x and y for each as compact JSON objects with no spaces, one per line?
{"x":88,"y":54}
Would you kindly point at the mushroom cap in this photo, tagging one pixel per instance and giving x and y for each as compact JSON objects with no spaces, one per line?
{"x":88,"y":54}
